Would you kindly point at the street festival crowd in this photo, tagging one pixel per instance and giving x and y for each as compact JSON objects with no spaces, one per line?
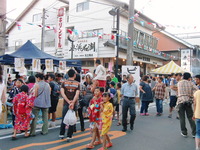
{"x":100,"y":97}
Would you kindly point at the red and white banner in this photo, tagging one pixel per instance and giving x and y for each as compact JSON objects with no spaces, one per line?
{"x":60,"y":28}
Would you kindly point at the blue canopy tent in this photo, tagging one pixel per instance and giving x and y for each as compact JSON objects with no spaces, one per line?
{"x":29,"y":51}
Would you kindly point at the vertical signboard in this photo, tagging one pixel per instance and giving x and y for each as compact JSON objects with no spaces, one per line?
{"x":186,"y":59}
{"x":60,"y":32}
{"x":135,"y":71}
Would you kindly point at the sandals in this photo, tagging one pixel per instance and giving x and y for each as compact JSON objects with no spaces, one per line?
{"x":102,"y":148}
{"x":109,"y":145}
{"x":97,"y":142}
{"x":26,"y":136}
{"x":14,"y":137}
{"x":118,"y":124}
{"x":89,"y":146}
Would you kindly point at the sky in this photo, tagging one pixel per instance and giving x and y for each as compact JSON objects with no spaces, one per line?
{"x":179,"y":16}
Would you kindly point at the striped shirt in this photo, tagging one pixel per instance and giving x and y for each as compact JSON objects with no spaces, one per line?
{"x":186,"y":90}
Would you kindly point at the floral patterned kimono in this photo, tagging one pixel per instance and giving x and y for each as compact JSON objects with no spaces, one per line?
{"x":94,"y":112}
{"x":106,"y":115}
{"x":23,"y":105}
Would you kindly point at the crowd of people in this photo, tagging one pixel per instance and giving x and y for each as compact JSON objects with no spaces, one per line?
{"x":102,"y":97}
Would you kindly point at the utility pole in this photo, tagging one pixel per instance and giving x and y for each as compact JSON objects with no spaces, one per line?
{"x":43,"y":29}
{"x":130,"y":52}
{"x":117,"y":45}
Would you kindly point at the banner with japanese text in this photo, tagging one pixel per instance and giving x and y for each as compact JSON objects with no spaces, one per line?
{"x":49,"y":65}
{"x":36,"y":65}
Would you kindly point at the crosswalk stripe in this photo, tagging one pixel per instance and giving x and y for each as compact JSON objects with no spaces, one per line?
{"x":115,"y":134}
{"x":48,"y":143}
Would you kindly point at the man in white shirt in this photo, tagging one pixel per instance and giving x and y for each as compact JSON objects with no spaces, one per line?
{"x":100,"y":75}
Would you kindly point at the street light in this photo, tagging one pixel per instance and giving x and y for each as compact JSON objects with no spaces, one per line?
{"x":115,"y":12}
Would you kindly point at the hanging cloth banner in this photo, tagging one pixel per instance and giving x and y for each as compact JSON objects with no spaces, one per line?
{"x":36,"y":65}
{"x":19,"y":64}
{"x":49,"y":65}
{"x":62,"y":66}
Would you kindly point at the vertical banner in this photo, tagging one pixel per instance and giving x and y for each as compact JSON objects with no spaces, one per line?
{"x":19,"y":64}
{"x":110,"y":66}
{"x":49,"y":65}
{"x":186,"y":59}
{"x":60,"y":34}
{"x":62,"y":66}
{"x":135,"y":71}
{"x":36,"y":65}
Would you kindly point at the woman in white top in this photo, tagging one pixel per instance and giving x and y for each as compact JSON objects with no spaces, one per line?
{"x":2,"y":91}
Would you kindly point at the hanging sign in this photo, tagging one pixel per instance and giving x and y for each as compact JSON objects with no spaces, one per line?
{"x":36,"y":65}
{"x":135,"y":71}
{"x":49,"y":65}
{"x":186,"y":59}
{"x":62,"y":66}
{"x":19,"y":64}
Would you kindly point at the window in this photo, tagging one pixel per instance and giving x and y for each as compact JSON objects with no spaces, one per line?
{"x":91,"y":33}
{"x":82,"y":6}
{"x":18,"y":43}
{"x":141,"y":40}
{"x":37,"y":17}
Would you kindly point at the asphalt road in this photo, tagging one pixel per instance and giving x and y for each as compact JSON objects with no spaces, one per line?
{"x":150,"y":133}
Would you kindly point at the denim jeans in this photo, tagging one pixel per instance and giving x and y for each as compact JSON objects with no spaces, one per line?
{"x":128,"y":104}
{"x":159,"y":105}
{"x":144,"y":107}
{"x":182,"y":110}
{"x":62,"y":126}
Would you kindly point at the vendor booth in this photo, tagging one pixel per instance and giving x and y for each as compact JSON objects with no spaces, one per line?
{"x":29,"y":55}
{"x":169,"y":68}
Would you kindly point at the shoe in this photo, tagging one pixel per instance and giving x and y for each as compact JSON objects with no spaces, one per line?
{"x":142,"y":114}
{"x":82,"y":129}
{"x":97,"y":142}
{"x":146,"y":114}
{"x":193,"y":136}
{"x":61,"y":136}
{"x":131,"y":127}
{"x":69,"y":139}
{"x":14,"y":137}
{"x":43,"y":133}
{"x":177,"y":117}
{"x":170,"y":116}
{"x":124,"y":129}
{"x":89,"y":146}
{"x":184,"y":135}
{"x":109,"y":145}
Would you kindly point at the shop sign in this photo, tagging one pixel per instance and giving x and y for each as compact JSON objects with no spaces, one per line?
{"x":135,"y":71}
{"x":60,"y":30}
{"x":186,"y":59}
{"x":84,"y":48}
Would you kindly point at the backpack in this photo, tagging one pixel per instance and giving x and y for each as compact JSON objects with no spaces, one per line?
{"x":56,"y":89}
{"x":115,"y":99}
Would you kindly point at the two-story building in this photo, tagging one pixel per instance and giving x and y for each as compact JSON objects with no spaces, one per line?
{"x":82,"y":30}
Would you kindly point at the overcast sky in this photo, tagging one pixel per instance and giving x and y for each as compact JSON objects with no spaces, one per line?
{"x":182,"y":13}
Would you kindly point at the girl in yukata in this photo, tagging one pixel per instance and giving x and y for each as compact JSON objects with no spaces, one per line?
{"x":107,"y":115}
{"x":23,"y":105}
{"x":94,"y":117}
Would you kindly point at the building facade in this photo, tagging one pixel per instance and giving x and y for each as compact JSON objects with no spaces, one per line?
{"x":84,"y":30}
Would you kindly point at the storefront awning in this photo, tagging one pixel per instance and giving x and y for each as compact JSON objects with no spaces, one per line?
{"x":169,"y":68}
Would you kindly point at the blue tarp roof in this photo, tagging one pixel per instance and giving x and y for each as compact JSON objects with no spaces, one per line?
{"x":29,"y":51}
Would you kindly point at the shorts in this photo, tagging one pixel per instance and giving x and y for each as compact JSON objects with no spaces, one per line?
{"x":198,"y":128}
{"x":54,"y":103}
{"x":117,"y":108}
{"x":101,"y":83}
{"x":173,"y":100}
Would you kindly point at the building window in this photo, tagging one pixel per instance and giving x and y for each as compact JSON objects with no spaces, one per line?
{"x":18,"y":43}
{"x":82,"y":6}
{"x":37,"y":17}
{"x":141,"y":40}
{"x":91,"y":33}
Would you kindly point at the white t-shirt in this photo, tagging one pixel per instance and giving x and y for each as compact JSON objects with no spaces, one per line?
{"x":100,"y":72}
{"x":173,"y":92}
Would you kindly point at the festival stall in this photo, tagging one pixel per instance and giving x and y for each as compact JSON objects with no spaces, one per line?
{"x":28,"y":55}
{"x":169,"y":68}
